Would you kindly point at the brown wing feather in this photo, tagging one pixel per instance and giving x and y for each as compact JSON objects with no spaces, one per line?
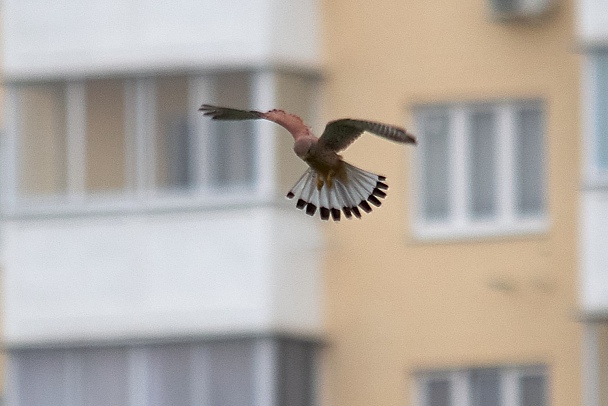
{"x":225,"y":113}
{"x":339,"y":134}
{"x":290,"y":122}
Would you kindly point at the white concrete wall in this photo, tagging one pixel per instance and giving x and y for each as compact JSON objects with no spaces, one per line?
{"x":73,"y":37}
{"x":154,"y":275}
{"x":594,"y":251}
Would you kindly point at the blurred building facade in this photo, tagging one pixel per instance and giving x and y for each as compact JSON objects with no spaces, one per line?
{"x":149,"y":257}
{"x":481,"y":281}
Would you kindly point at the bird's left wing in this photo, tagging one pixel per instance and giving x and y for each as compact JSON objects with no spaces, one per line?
{"x":339,"y":134}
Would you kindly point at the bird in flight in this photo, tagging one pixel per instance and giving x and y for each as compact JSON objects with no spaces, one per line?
{"x":330,"y":184}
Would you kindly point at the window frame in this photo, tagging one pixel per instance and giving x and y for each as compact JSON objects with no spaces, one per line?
{"x":460,"y":383}
{"x":138,"y":193}
{"x":460,"y":223}
{"x":594,"y":176}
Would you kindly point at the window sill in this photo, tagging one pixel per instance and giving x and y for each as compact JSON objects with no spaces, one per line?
{"x":436,"y":232}
{"x":132,"y":203}
{"x":595,"y":183}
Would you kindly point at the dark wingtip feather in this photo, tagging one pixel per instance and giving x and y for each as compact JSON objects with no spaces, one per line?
{"x":301,"y":204}
{"x":311,"y":209}
{"x":347,"y":212}
{"x":381,"y":185}
{"x":227,"y":113}
{"x":377,"y":192}
{"x":335,"y":214}
{"x":209,"y":110}
{"x":290,"y":195}
{"x":356,"y":212}
{"x":381,"y":178}
{"x":374,"y":200}
{"x":324,"y":211}
{"x":365,"y":206}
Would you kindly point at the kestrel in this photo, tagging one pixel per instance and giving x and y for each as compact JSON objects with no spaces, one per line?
{"x":330,"y":184}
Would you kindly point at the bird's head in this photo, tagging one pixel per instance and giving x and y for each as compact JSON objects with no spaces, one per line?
{"x":302,"y":147}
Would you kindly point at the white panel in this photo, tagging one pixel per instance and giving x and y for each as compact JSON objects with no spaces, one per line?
{"x":72,"y":37}
{"x":592,"y":20}
{"x":594,"y":251}
{"x":171,"y":274}
{"x":296,"y":265}
{"x":295,"y":25}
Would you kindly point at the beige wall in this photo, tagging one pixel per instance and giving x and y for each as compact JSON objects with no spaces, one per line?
{"x":394,"y":304}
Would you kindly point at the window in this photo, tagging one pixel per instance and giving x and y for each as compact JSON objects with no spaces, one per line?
{"x":500,"y":386}
{"x":296,"y":368}
{"x":106,"y":138}
{"x":173,"y":134}
{"x":116,"y":140}
{"x":42,"y":147}
{"x":480,"y":169}
{"x":217,"y":372}
{"x":597,"y":149}
{"x":519,"y":9}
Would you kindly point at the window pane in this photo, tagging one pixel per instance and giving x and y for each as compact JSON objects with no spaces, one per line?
{"x":297,"y":94}
{"x":42,"y":135}
{"x":482,"y":153}
{"x":434,"y":185}
{"x":105,"y":135}
{"x":105,"y":377}
{"x":173,"y":142}
{"x":530,"y":188}
{"x":295,"y":373}
{"x":485,"y":387}
{"x":438,"y":393}
{"x":532,"y":391}
{"x":504,"y":6}
{"x":232,"y":144}
{"x":601,"y":127}
{"x":169,"y":375}
{"x":232,"y":374}
{"x":41,"y":377}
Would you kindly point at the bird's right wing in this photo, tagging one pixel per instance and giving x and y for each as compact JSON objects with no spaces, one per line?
{"x":339,"y":134}
{"x":225,"y":113}
{"x":290,"y":122}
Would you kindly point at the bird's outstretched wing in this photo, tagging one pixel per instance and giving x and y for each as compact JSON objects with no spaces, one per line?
{"x":290,"y":122}
{"x":225,"y":113}
{"x":339,"y":134}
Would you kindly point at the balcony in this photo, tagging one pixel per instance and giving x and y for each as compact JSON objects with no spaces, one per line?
{"x":126,"y":213}
{"x":46,"y":39}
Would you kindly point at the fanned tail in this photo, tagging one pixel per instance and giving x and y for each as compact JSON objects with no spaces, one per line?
{"x":356,"y":191}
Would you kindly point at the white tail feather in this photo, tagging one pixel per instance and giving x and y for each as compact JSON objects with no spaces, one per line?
{"x":359,"y":188}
